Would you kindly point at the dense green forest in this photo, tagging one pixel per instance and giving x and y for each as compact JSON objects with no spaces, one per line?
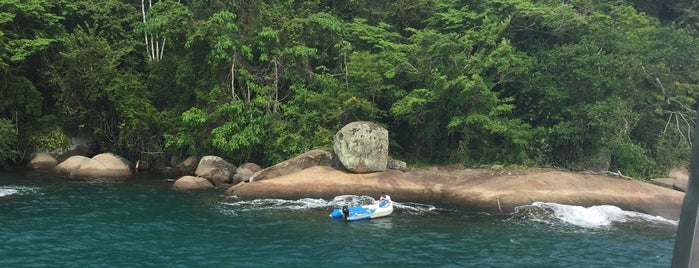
{"x":577,"y":84}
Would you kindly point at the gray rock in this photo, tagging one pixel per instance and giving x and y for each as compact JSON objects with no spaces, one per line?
{"x":362,"y":147}
{"x":397,"y":164}
{"x":215,"y":169}
{"x":243,"y":174}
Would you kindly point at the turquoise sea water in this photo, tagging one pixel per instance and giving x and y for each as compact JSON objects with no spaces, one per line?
{"x":55,"y":222}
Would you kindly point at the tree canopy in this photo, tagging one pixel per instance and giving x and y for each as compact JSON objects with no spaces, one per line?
{"x":577,"y":84}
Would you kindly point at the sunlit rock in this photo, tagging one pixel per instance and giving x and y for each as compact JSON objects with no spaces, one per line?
{"x":43,"y":161}
{"x":105,"y":165}
{"x":192,"y":183}
{"x":70,"y":165}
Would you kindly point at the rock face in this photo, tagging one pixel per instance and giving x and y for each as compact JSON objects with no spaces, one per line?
{"x":303,"y":161}
{"x":104,"y":165}
{"x":362,"y":147}
{"x":43,"y":161}
{"x":471,"y":189}
{"x":187,"y":183}
{"x":215,"y":169}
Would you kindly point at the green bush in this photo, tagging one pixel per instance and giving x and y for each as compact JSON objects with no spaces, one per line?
{"x":8,"y":139}
{"x":632,"y":160}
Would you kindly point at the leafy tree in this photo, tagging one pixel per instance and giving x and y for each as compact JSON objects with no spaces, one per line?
{"x":467,"y":60}
{"x":27,"y":29}
{"x":99,"y":98}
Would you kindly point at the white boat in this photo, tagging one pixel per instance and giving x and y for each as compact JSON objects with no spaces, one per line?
{"x":366,"y":212}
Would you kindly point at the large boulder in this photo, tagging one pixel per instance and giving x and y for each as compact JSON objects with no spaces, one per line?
{"x":105,"y":165}
{"x":187,"y":183}
{"x":303,"y":161}
{"x":362,"y":147}
{"x":70,"y":165}
{"x":220,"y":172}
{"x":43,"y":161}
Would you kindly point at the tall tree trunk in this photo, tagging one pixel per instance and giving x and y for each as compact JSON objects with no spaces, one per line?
{"x":275,"y":94}
{"x":235,"y":96}
{"x":154,"y":46}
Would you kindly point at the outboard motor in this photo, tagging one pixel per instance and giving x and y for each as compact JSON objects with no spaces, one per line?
{"x":345,"y":212}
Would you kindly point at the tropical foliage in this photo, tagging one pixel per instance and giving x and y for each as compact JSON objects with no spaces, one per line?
{"x":578,"y":84}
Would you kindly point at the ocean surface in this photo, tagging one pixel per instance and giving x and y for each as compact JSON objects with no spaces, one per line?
{"x":47,"y":221}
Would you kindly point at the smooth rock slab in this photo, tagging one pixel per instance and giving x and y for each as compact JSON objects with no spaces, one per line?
{"x":471,"y":189}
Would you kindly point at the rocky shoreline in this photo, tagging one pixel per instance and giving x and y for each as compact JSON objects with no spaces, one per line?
{"x":360,"y":165}
{"x":497,"y":191}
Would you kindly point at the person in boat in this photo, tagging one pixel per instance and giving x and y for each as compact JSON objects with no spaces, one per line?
{"x":385,"y":197}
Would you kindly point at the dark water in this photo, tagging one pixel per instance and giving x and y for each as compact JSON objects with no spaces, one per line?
{"x":55,"y":222}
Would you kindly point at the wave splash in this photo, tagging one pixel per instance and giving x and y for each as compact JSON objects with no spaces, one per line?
{"x":312,"y":203}
{"x":9,"y":190}
{"x":594,"y":217}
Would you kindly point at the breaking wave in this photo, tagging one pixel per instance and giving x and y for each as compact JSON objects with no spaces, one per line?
{"x":9,"y":190}
{"x":594,"y":217}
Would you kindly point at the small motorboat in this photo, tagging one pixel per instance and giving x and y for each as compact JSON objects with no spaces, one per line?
{"x":366,"y":212}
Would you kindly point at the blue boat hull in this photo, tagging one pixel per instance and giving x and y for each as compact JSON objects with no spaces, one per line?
{"x":358,"y":213}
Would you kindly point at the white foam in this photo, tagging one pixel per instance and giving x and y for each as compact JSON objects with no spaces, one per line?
{"x":6,"y":192}
{"x":588,"y":217}
{"x":233,"y":205}
{"x":301,"y":204}
{"x":15,"y":190}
